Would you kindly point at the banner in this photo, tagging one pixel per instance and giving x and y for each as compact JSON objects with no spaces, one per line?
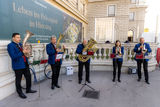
{"x":40,"y":18}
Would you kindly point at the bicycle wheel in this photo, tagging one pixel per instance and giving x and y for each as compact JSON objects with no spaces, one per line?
{"x":48,"y":71}
{"x":34,"y":74}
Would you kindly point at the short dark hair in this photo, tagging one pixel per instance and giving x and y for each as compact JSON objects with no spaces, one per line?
{"x":14,"y":34}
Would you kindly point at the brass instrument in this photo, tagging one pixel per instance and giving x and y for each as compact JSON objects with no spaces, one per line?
{"x":143,"y":49}
{"x":90,"y":46}
{"x":58,"y":46}
{"x":25,"y":45}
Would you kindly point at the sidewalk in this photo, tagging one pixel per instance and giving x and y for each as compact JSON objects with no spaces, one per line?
{"x":128,"y":93}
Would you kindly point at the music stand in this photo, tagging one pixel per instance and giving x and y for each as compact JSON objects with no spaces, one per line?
{"x":85,"y":84}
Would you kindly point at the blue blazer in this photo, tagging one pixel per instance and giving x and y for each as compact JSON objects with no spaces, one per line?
{"x":52,"y":53}
{"x":16,"y":56}
{"x":147,"y":46}
{"x":79,"y":51}
{"x":114,"y":51}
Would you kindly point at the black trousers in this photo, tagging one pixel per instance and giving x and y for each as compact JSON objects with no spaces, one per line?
{"x":80,"y":70}
{"x":55,"y":72}
{"x":145,"y":67}
{"x":115,"y":64}
{"x":27,"y":75}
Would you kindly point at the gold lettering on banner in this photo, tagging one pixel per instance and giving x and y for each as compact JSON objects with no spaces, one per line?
{"x":39,"y":17}
{"x":31,"y":24}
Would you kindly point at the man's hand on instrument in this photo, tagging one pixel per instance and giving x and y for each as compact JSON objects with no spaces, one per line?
{"x":58,"y":50}
{"x":144,"y":51}
{"x":26,"y":50}
{"x":84,"y":53}
{"x":91,"y":50}
{"x":141,"y":47}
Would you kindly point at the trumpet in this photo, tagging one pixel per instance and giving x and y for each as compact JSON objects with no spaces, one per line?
{"x":143,"y":49}
{"x":118,"y":51}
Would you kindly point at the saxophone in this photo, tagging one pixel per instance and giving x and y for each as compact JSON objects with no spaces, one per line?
{"x":90,"y":46}
{"x":25,"y":45}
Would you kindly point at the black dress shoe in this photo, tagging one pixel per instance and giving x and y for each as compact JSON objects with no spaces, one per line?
{"x":57,"y":86}
{"x":52,"y":87}
{"x":80,"y":81}
{"x":139,"y":79}
{"x":147,"y":82}
{"x":31,"y":91}
{"x":119,"y":80}
{"x":23,"y":96}
{"x":88,"y":81}
{"x":113,"y":80}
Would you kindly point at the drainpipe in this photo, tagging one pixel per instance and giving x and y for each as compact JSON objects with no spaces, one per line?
{"x":157,"y":25}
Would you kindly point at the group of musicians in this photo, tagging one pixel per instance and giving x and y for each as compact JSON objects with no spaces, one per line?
{"x":55,"y":55}
{"x":141,"y":49}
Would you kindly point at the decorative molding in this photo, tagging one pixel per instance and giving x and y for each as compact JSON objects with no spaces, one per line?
{"x":67,"y":7}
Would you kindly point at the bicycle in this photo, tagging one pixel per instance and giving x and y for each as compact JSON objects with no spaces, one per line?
{"x":48,"y":71}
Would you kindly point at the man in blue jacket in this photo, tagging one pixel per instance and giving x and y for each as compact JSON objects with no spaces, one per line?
{"x":81,"y":64}
{"x":143,"y":49}
{"x":55,"y":60}
{"x":20,"y":64}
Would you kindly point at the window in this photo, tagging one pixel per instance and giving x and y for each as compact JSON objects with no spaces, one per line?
{"x":130,"y":35}
{"x":104,"y":29}
{"x":133,"y":1}
{"x":131,"y":16}
{"x":111,"y":10}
